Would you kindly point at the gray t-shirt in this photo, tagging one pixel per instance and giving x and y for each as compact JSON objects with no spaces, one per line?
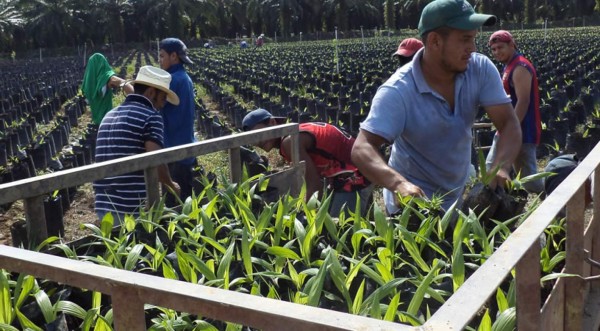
{"x":432,"y":143}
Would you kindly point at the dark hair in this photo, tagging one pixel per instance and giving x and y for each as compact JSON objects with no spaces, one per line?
{"x":140,"y":88}
{"x":402,"y":60}
{"x":443,"y":31}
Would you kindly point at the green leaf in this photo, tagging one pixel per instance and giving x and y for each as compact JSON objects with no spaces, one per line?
{"x":106,"y":225}
{"x":246,"y":258}
{"x":214,"y":244}
{"x":486,"y":322}
{"x":392,"y":311}
{"x":458,"y":267}
{"x":184,"y":266}
{"x":412,"y":248}
{"x":223,"y":269}
{"x":339,"y":278}
{"x":45,"y":306}
{"x":417,"y":299}
{"x":555,"y":276}
{"x":284,"y":253}
{"x":168,"y":271}
{"x":6,"y":327}
{"x":501,"y":300}
{"x":25,"y":285}
{"x":133,"y":257}
{"x":6,"y":312}
{"x":70,"y":308}
{"x":25,"y":322}
{"x":314,"y":286}
{"x":506,"y":321}
{"x":129,"y":223}
{"x":358,"y":299}
{"x":354,"y":271}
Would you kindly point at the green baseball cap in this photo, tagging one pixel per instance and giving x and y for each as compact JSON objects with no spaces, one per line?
{"x":457,"y":14}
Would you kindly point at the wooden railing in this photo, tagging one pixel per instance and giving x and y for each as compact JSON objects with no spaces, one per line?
{"x":563,"y":310}
{"x":33,"y":189}
{"x":130,"y":291}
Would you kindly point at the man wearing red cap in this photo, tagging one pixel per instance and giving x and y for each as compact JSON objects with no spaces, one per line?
{"x":407,"y":49}
{"x":520,"y":82}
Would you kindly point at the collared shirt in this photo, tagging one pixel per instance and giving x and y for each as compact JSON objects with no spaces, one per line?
{"x":179,"y":120}
{"x":431,"y":142}
{"x":124,"y":132}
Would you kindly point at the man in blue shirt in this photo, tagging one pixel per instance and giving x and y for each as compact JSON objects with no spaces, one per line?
{"x":427,"y":108}
{"x":179,"y":119}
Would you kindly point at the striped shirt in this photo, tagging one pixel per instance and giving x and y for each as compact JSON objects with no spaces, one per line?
{"x":124,"y":132}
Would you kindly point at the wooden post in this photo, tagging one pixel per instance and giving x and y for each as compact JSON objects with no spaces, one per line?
{"x":36,"y":220}
{"x":528,"y":290}
{"x":595,"y":249}
{"x":152,"y":186}
{"x":235,"y":165}
{"x":296,"y":185}
{"x":574,"y":286}
{"x":128,"y":309}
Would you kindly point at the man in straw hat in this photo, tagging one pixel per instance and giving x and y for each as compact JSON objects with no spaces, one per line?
{"x":426,"y":110}
{"x":132,"y":128}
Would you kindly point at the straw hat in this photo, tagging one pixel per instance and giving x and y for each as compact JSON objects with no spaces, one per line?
{"x":157,"y":78}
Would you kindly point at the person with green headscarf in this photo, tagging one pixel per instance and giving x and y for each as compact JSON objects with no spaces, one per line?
{"x":98,"y":81}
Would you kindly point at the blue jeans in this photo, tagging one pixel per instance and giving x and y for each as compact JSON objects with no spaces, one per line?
{"x":182,"y":174}
{"x":346,"y":201}
{"x":525,"y":164}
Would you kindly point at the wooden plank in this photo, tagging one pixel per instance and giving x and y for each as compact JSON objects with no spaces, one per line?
{"x":37,"y":230}
{"x":219,"y":304}
{"x":235,"y":165}
{"x":595,"y":249}
{"x":528,"y":290}
{"x":39,"y":185}
{"x":460,"y":308}
{"x":574,"y":286}
{"x":128,"y":309}
{"x":152,"y":186}
{"x":288,"y":180}
{"x":591,"y":311}
{"x":553,"y":312}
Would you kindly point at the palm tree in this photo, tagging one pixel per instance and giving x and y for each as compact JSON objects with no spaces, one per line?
{"x":110,"y":16}
{"x":10,"y":18}
{"x":49,"y":23}
{"x":389,"y":14}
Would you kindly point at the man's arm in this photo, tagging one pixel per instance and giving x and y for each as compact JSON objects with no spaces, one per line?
{"x":314,"y":182}
{"x":163,"y":172}
{"x":366,"y":157}
{"x":522,"y":81}
{"x":118,"y":82}
{"x":509,"y":143}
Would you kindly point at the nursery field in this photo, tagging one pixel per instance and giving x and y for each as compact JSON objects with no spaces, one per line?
{"x":242,"y":237}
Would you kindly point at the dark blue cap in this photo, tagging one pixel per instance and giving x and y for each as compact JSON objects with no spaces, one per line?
{"x":258,"y":116}
{"x":171,"y":45}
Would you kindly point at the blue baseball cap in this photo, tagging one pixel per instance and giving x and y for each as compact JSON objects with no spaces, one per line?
{"x":258,"y":116}
{"x":171,"y":45}
{"x":457,"y":14}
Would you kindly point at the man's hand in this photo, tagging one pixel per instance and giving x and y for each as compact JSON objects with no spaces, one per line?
{"x":406,"y":188}
{"x":175,"y":187}
{"x":502,"y":179}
